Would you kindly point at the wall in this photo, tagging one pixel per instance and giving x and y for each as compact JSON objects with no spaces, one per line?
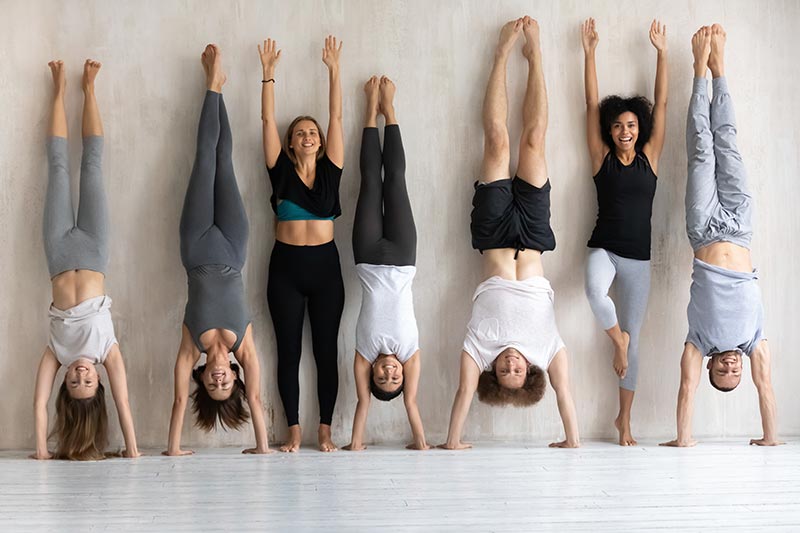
{"x":150,"y":91}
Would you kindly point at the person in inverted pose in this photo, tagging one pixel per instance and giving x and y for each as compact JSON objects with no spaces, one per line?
{"x":725,"y":311}
{"x":304,"y":267}
{"x":625,"y":137}
{"x":512,"y":338}
{"x":214,"y":233}
{"x":387,"y":360}
{"x":81,"y":330}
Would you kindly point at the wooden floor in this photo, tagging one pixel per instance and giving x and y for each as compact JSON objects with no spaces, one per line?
{"x":713,"y":487}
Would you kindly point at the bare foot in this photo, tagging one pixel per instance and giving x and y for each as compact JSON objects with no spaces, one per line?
{"x":295,"y":438}
{"x":212,"y":64}
{"x":701,"y":49}
{"x":508,"y":35}
{"x":90,"y":70}
{"x":371,"y":89}
{"x":387,"y":99}
{"x":621,"y":355}
{"x":59,"y":77}
{"x":624,"y":428}
{"x":530,"y":29}
{"x":325,"y":442}
{"x":716,"y":60}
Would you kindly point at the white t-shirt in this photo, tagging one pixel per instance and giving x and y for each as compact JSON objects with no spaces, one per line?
{"x":85,"y":330}
{"x":513,"y":314}
{"x":386,"y":323}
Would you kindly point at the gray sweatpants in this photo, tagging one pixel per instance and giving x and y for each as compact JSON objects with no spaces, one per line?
{"x":631,"y":279}
{"x":71,"y":245}
{"x":718,"y":203}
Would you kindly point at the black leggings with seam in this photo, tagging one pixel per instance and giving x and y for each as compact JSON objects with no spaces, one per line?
{"x":300,"y":275}
{"x":383,"y":231}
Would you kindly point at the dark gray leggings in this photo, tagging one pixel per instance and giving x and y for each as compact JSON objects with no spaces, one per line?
{"x":214,"y":226}
{"x":71,"y":245}
{"x":384,"y":231}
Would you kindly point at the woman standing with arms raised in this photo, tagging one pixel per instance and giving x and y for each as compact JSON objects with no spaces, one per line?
{"x":304,"y":266}
{"x":625,"y":137}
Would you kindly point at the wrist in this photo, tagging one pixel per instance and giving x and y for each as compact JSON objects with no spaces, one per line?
{"x":268,"y":73}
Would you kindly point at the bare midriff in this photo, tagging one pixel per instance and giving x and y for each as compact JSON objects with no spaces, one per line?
{"x":501,"y":262}
{"x":304,"y":232}
{"x":726,"y":255}
{"x":75,"y":286}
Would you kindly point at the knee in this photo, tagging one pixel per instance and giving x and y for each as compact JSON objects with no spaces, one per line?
{"x":495,"y":141}
{"x":595,"y":291}
{"x":533,"y":138}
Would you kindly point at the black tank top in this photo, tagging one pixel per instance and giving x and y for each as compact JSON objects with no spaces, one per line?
{"x":625,"y":205}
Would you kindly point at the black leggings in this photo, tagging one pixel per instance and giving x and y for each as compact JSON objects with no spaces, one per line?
{"x":383,"y":230}
{"x":213,"y":222}
{"x":297,"y":274}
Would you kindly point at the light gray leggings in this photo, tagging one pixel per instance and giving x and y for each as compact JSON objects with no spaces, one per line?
{"x":71,"y":245}
{"x":718,"y":204}
{"x":631,"y":278}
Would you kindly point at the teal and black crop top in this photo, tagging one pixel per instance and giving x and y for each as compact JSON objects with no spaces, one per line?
{"x":292,"y":200}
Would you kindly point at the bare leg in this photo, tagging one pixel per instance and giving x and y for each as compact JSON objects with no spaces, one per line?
{"x":325,"y":442}
{"x":623,"y":420}
{"x":532,"y":166}
{"x":496,"y":156}
{"x":292,"y":444}
{"x":716,"y":59}
{"x":58,"y":118}
{"x":92,"y":125}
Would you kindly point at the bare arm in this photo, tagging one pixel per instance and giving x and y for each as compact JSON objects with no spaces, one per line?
{"x":248,"y":358}
{"x":760,"y":367}
{"x":330,"y":56}
{"x":559,"y":380}
{"x":188,"y":355}
{"x":691,"y":367}
{"x":411,"y":371}
{"x":594,"y":138}
{"x":48,"y":367}
{"x":468,"y":383}
{"x":272,"y":139}
{"x":658,"y":36}
{"x":361,"y":371}
{"x":117,"y":378}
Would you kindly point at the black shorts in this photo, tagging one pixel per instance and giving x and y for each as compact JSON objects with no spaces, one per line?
{"x":511,"y":214}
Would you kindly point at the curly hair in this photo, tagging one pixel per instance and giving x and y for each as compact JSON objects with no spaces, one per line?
{"x":711,"y":375}
{"x":231,"y":413}
{"x":287,"y":139}
{"x":381,"y":394}
{"x":613,"y":106}
{"x":490,"y":391}
{"x":81,"y":425}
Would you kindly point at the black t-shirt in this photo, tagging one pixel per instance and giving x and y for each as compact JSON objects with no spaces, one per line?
{"x":625,"y":205}
{"x":321,"y":200}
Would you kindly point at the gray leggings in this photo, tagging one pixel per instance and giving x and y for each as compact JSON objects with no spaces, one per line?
{"x":631,"y":278}
{"x":718,"y":203}
{"x":214,"y":227}
{"x":384,"y":232}
{"x":71,"y":245}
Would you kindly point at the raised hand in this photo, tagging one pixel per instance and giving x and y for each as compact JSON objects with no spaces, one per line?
{"x":331,"y":52}
{"x":269,"y":57}
{"x":658,"y":35}
{"x":589,"y":36}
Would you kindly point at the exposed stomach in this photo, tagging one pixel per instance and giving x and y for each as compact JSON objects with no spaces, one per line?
{"x":304,"y":232}
{"x":726,"y":255}
{"x":75,"y":286}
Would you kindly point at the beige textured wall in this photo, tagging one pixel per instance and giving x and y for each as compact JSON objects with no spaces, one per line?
{"x":439,"y":53}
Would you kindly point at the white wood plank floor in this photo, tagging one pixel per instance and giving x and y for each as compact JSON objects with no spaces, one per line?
{"x":599,"y":487}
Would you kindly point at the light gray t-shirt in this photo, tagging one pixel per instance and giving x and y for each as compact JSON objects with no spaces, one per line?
{"x":513,"y":314}
{"x":85,"y":330}
{"x":386,"y":323}
{"x":725,"y":311}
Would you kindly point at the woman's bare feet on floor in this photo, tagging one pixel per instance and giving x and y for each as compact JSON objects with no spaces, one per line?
{"x":212,"y":64}
{"x":624,"y":428}
{"x":292,"y":444}
{"x":325,"y":442}
{"x":701,"y":49}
